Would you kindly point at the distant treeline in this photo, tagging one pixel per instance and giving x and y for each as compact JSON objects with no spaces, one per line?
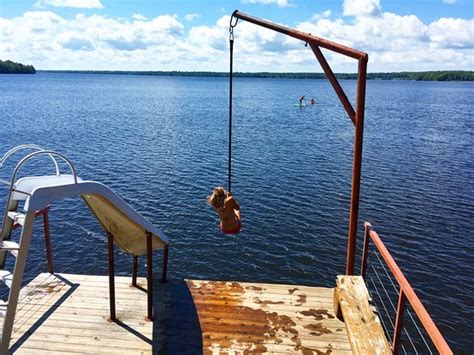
{"x":454,"y":75}
{"x":9,"y":67}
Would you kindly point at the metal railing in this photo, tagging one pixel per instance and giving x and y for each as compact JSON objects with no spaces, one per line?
{"x":405,"y":293}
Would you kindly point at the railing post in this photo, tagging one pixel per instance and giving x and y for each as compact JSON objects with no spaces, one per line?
{"x":47,"y":240}
{"x":165,"y":263}
{"x":149,"y":278}
{"x":365,"y":250}
{"x":134,"y":270}
{"x":399,"y":322}
{"x":110,"y":240}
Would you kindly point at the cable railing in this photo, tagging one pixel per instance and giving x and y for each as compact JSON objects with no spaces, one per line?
{"x":392,"y":313}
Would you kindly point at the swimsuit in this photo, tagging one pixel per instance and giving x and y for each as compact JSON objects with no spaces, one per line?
{"x":232,"y":231}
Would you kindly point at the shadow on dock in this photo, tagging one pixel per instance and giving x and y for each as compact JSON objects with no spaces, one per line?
{"x":176,"y":329}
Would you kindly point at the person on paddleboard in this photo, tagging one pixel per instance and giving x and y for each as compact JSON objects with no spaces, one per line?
{"x":311,"y":102}
{"x":228,"y":210}
{"x":302,"y":100}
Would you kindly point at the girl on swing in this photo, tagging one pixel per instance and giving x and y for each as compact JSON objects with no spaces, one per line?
{"x":228,"y":210}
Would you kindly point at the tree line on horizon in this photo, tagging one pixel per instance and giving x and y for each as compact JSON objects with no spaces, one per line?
{"x":442,"y":75}
{"x":9,"y":67}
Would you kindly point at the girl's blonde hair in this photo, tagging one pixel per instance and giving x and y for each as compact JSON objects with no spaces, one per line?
{"x":217,"y":198}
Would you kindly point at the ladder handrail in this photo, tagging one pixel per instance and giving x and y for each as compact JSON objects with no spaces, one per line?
{"x":50,"y":153}
{"x":27,"y":146}
{"x":43,"y":152}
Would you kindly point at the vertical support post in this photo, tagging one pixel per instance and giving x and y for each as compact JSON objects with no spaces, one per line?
{"x":165,"y":263}
{"x":134,"y":270}
{"x":365,"y":251}
{"x":399,"y":322}
{"x":110,"y":239}
{"x":356,"y":165}
{"x":47,"y":241}
{"x":149,"y":277}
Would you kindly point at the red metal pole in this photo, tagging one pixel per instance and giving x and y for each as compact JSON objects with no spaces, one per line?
{"x":149,"y":255}
{"x":165,"y":263}
{"x":306,"y":37}
{"x":134,"y":270}
{"x":333,"y":80}
{"x":47,"y":241}
{"x":357,"y":164}
{"x":110,"y":240}
{"x":399,"y":322}
{"x":365,"y":251}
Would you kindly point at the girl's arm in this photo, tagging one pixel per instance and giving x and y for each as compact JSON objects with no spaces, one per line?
{"x":232,"y":202}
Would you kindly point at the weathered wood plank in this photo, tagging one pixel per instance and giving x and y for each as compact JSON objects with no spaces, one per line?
{"x":363,"y":326}
{"x":55,"y":315}
{"x":190,"y":316}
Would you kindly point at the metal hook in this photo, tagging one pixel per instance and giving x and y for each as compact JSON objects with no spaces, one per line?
{"x":231,"y":18}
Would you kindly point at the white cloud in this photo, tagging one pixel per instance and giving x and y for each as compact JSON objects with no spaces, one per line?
{"x":190,"y":17}
{"x":139,"y":17}
{"x":361,"y":8}
{"x":452,"y":33}
{"x":393,"y":43}
{"x":84,"y":4}
{"x":280,"y":3}
{"x":324,"y":14}
{"x":449,"y":2}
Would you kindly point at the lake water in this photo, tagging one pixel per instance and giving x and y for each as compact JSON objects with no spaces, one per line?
{"x":161,"y":144}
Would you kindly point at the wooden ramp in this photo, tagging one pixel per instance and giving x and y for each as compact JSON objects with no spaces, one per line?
{"x":64,"y":313}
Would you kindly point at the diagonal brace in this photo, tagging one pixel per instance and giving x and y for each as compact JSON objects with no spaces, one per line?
{"x":335,"y":84}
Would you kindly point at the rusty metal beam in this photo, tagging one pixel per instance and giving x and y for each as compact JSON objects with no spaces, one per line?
{"x":356,"y":165}
{"x":47,"y":241}
{"x":333,"y":80}
{"x":110,"y":240}
{"x":306,"y":37}
{"x":365,"y":253}
{"x":399,"y":323}
{"x":149,"y":278}
{"x":134,"y":270}
{"x":165,"y":263}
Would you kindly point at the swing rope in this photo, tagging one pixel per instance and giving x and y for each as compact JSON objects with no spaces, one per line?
{"x":231,"y":47}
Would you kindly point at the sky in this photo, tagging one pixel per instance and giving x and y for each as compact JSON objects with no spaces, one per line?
{"x":192,"y":35}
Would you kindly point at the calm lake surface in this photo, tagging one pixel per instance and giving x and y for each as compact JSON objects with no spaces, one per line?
{"x":161,"y":144}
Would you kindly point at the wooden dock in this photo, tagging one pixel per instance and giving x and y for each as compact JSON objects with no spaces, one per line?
{"x":65,"y":313}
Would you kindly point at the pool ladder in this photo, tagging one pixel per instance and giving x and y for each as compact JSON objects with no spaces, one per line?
{"x":13,"y":219}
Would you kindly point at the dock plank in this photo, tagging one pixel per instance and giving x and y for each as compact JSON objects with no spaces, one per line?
{"x":65,"y":313}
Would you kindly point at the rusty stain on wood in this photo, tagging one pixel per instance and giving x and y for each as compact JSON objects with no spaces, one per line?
{"x":292,"y":290}
{"x":318,"y":314}
{"x":301,"y":300}
{"x":253,"y":319}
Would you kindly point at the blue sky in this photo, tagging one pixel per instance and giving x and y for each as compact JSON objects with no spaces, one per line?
{"x":192,"y":35}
